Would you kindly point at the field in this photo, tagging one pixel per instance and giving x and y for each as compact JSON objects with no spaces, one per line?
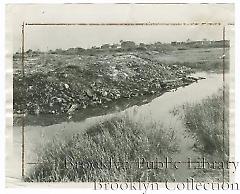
{"x":200,"y":59}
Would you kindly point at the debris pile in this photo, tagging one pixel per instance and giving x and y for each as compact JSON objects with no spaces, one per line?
{"x":62,"y":85}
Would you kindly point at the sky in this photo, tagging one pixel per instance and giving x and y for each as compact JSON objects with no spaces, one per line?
{"x":53,"y":37}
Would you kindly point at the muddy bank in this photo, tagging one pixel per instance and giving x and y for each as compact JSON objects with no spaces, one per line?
{"x":56,"y":84}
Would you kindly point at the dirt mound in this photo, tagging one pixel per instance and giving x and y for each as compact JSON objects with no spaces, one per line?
{"x":61,"y":84}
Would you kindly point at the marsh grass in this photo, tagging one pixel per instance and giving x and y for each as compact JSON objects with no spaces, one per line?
{"x":208,"y":121}
{"x":119,"y":140}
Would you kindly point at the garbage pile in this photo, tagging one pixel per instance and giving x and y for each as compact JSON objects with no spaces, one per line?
{"x":81,"y":82}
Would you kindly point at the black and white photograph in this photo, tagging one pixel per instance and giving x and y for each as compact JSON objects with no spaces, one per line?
{"x":139,"y":96}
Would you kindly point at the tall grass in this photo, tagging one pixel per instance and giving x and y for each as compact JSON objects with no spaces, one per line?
{"x":208,"y":121}
{"x":86,"y":157}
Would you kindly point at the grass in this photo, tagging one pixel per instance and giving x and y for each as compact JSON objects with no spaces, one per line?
{"x":205,"y":121}
{"x":201,"y":59}
{"x":86,"y":157}
{"x":208,"y":123}
{"x":215,"y":66}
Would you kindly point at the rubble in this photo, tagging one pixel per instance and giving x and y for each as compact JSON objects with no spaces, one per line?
{"x":63,"y":84}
